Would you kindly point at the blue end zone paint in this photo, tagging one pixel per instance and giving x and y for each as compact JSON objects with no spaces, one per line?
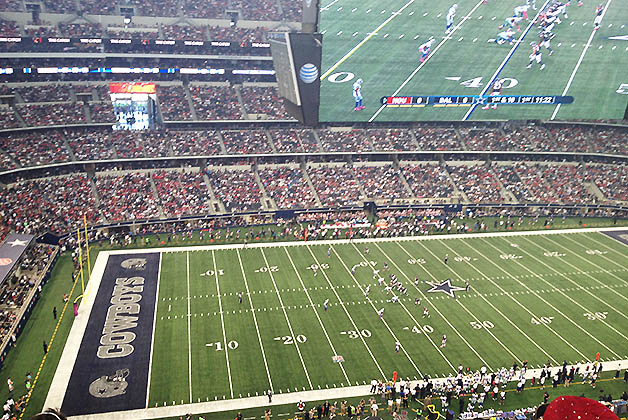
{"x":508,"y":57}
{"x":619,"y":235}
{"x":109,"y":377}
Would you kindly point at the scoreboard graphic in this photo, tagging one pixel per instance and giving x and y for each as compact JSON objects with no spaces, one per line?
{"x":470,"y":100}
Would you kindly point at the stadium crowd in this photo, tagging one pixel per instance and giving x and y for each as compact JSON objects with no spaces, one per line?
{"x":287,"y":186}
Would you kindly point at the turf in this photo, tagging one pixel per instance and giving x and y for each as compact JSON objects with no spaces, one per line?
{"x":27,"y":356}
{"x":535,"y":298}
{"x":388,"y":59}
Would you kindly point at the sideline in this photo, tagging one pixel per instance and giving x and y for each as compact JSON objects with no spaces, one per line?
{"x":282,"y":399}
{"x":363,"y":240}
{"x":43,"y":360}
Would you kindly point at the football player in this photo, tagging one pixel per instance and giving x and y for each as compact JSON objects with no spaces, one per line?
{"x":522,"y":11}
{"x":546,"y":37}
{"x":496,"y":90}
{"x":425,"y":49}
{"x":536,"y":56}
{"x":599,"y":12}
{"x":450,"y":18}
{"x":512,"y":21}
{"x":561,"y":8}
{"x":357,"y":95}
{"x":506,"y":36}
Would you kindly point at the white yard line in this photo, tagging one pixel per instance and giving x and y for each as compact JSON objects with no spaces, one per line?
{"x":472,"y":315}
{"x":240,"y":404}
{"x":548,"y":303}
{"x":589,"y":261}
{"x":394,"y":336}
{"x":414,"y":320}
{"x":222,"y":323}
{"x":608,"y":246}
{"x":369,"y":36}
{"x":329,"y":5}
{"x":611,"y":307}
{"x":603,"y":256}
{"x":152,"y":340}
{"x":420,"y":66}
{"x":259,"y":337}
{"x":532,"y":314}
{"x":316,"y":313}
{"x":344,"y":307}
{"x":575,"y":70}
{"x":613,"y":239}
{"x":283,"y":308}
{"x":187,"y":254}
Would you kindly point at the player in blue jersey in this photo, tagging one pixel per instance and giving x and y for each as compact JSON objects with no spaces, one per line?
{"x":357,"y":95}
{"x":425,"y":48}
{"x":450,"y":18}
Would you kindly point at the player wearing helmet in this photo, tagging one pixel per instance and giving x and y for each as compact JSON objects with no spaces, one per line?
{"x":536,"y":56}
{"x":450,"y":18}
{"x":357,"y":95}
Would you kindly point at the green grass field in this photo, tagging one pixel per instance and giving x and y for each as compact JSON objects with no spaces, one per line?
{"x":464,"y":63}
{"x":536,"y":298}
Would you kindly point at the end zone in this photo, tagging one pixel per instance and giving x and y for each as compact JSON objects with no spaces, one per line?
{"x":106,"y":361}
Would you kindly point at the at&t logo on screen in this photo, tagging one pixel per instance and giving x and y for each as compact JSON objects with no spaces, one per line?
{"x":308,"y":73}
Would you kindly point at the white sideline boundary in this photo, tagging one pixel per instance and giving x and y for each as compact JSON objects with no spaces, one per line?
{"x":288,"y":398}
{"x":364,"y":240}
{"x":60,"y":381}
{"x":64,"y":369}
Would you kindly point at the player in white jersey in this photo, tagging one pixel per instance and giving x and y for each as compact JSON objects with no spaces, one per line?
{"x":375,"y":274}
{"x":599,"y":13}
{"x":450,"y":18}
{"x":443,"y":341}
{"x":424,"y":49}
{"x":397,"y":346}
{"x":496,"y":90}
{"x":522,"y":11}
{"x":506,"y":36}
{"x":381,"y":313}
{"x":512,"y":22}
{"x":357,"y":95}
{"x":394,"y":299}
{"x":325,"y":304}
{"x":531,"y":3}
{"x":366,"y":292}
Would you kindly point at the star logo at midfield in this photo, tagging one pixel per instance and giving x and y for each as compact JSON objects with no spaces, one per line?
{"x":17,"y":242}
{"x":445,"y":287}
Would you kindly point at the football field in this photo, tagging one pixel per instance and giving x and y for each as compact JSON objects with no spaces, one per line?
{"x":378,"y":43}
{"x":537,"y":297}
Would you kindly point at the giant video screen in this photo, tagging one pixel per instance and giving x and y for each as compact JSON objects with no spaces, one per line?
{"x":415,"y":60}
